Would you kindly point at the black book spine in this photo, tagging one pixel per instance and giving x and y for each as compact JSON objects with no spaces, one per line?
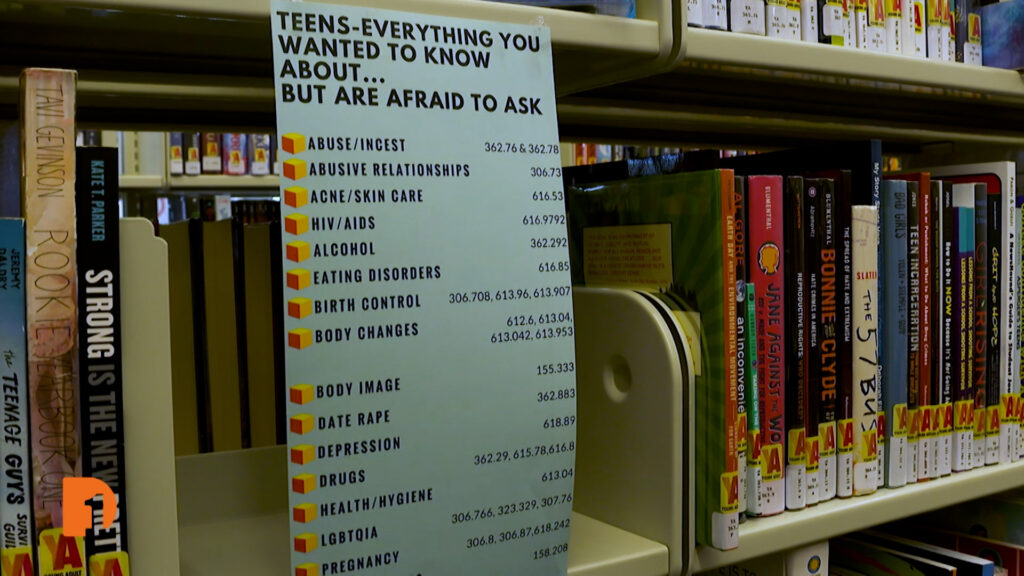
{"x":980,"y":322}
{"x":813,"y":205}
{"x":796,"y":325}
{"x":949,"y":261}
{"x":829,"y":304}
{"x":101,"y":389}
{"x":995,"y":293}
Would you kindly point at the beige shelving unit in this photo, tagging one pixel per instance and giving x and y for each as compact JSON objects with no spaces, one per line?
{"x":174,"y":64}
{"x":223,"y":182}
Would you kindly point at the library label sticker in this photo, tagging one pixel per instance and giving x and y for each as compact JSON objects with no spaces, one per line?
{"x":430,"y":367}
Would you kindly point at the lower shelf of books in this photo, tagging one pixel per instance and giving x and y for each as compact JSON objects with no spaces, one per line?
{"x":762,"y":536}
{"x":234,"y":520}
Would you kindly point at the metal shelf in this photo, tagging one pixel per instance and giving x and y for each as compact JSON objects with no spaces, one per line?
{"x":763,"y":536}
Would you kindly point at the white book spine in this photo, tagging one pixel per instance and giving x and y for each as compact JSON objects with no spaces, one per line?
{"x":716,"y":14}
{"x":809,"y":20}
{"x":777,"y":19}
{"x":849,"y":24}
{"x":833,"y":21}
{"x":894,"y":26}
{"x":747,"y":16}
{"x":972,"y":44}
{"x":695,"y":12}
{"x":860,"y":17}
{"x":844,"y":458}
{"x":865,"y":349}
{"x":1008,"y":344}
{"x":829,"y":462}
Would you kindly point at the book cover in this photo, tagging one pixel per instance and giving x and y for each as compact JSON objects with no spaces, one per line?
{"x":259,"y":154}
{"x":979,"y":322}
{"x":798,"y":208}
{"x":695,"y":217}
{"x":176,"y":153}
{"x":15,"y":453}
{"x":48,"y":202}
{"x":1008,"y":558}
{"x":740,"y":243}
{"x":235,"y":154}
{"x":1000,"y":179}
{"x":865,"y":348}
{"x":766,"y":224}
{"x":1002,"y":44}
{"x":753,"y":410}
{"x":193,"y":153}
{"x":913,"y":327}
{"x":212,"y":163}
{"x":100,"y":344}
{"x":833,"y":22}
{"x":893,"y":425}
{"x":747,"y":17}
{"x":875,"y":560}
{"x":828,"y":336}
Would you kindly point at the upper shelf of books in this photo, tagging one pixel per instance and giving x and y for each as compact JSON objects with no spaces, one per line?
{"x":169,"y":63}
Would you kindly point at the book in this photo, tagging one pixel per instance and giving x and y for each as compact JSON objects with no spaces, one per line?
{"x":212,"y":163}
{"x":765,"y":222}
{"x":965,"y":564}
{"x":747,"y":17}
{"x":48,"y":202}
{"x":829,"y":337}
{"x":809,"y":20}
{"x":740,"y":242}
{"x":782,"y":19}
{"x":692,"y":217}
{"x":193,"y":152}
{"x":860,"y":22}
{"x":259,"y":154}
{"x":100,"y":345}
{"x":963,"y":329}
{"x":949,"y":373}
{"x":938,"y":47}
{"x":176,"y":154}
{"x":798,"y":215}
{"x":913,"y":327}
{"x":915,"y":39}
{"x":875,"y":560}
{"x":865,"y":348}
{"x":1007,"y":558}
{"x":833,"y":22}
{"x":235,"y":153}
{"x":753,"y":411}
{"x":979,"y":322}
{"x":850,"y":23}
{"x":893,"y":424}
{"x":694,"y":13}
{"x":1001,"y":43}
{"x":15,"y":453}
{"x":1016,"y":383}
{"x":973,"y":54}
{"x":1000,"y":179}
{"x":894,"y":26}
{"x":875,"y":30}
{"x":716,"y":15}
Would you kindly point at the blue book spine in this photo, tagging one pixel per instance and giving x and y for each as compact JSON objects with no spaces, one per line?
{"x":16,"y":504}
{"x":895,"y":332}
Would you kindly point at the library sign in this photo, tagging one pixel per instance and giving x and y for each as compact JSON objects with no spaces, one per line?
{"x":430,"y":361}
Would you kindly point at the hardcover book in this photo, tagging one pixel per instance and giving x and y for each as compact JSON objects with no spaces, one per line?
{"x":833,"y":22}
{"x":915,"y":39}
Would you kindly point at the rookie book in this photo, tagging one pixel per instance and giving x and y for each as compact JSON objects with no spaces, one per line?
{"x":690,"y":216}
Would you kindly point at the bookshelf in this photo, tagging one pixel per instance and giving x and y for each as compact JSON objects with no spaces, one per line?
{"x":651,"y":79}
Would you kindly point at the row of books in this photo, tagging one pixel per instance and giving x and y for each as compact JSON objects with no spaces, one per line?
{"x":60,"y":343}
{"x":194,"y":153}
{"x":174,"y":208}
{"x":983,"y":537}
{"x":621,"y":8}
{"x":585,"y":153}
{"x":944,"y":30}
{"x":848,"y":331}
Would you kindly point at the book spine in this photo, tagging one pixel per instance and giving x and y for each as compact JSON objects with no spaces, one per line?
{"x":747,"y":16}
{"x":892,"y":423}
{"x":716,"y":14}
{"x":833,"y":22}
{"x":860,"y":22}
{"x":980,"y":323}
{"x":798,"y":286}
{"x":1019,"y":334}
{"x":259,"y":154}
{"x":844,"y":424}
{"x":931,"y":422}
{"x":767,"y":272}
{"x":99,"y":277}
{"x":961,"y":8}
{"x":234,"y":154}
{"x":755,"y":505}
{"x":740,"y":242}
{"x":829,"y":337}
{"x":176,"y":153}
{"x":694,"y":15}
{"x":876,"y":39}
{"x":936,"y":50}
{"x":725,"y":519}
{"x":849,"y":24}
{"x":944,"y":413}
{"x":193,"y":144}
{"x":972,"y":44}
{"x":15,"y":491}
{"x":914,"y":328}
{"x":927,"y":339}
{"x":894,"y":26}
{"x":1009,"y":386}
{"x":915,"y":41}
{"x":865,"y":348}
{"x":777,"y":19}
{"x":963,"y":274}
{"x":48,"y":169}
{"x":809,"y":20}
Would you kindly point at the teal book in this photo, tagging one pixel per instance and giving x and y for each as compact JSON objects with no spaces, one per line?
{"x":895,"y":312}
{"x":676,"y":234}
{"x":16,"y":482}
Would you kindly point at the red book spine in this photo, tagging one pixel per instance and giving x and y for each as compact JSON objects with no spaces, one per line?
{"x":767,"y":272}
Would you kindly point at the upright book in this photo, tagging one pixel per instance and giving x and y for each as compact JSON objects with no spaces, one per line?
{"x":829,"y":317}
{"x":16,"y":482}
{"x":102,"y":404}
{"x":798,"y":214}
{"x":48,"y":202}
{"x":979,"y":324}
{"x":893,"y":422}
{"x":865,"y":348}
